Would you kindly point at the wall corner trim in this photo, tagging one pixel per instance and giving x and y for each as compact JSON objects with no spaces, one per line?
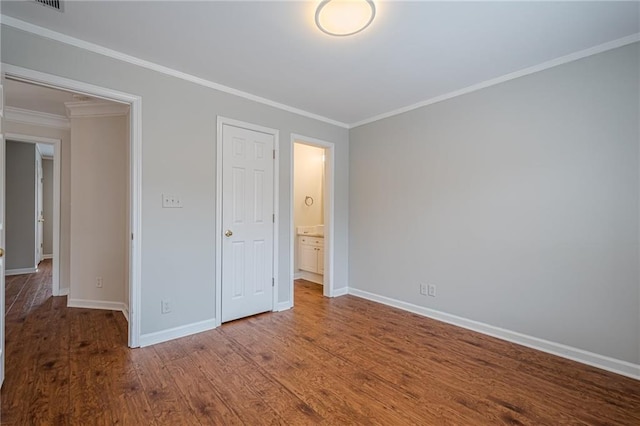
{"x":36,"y":118}
{"x":125,"y":311}
{"x":176,"y":332}
{"x":579,"y":355}
{"x":283,"y":306}
{"x":79,"y":109}
{"x":63,"y":292}
{"x":101,"y":50}
{"x":340,"y":292}
{"x":614,"y":44}
{"x":20,"y":271}
{"x":95,"y":304}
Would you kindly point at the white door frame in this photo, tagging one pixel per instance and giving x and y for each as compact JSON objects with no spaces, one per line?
{"x":39,"y":190}
{"x":135,"y":180}
{"x":329,"y":203}
{"x":2,"y":241}
{"x":55,"y":288}
{"x":276,"y":208}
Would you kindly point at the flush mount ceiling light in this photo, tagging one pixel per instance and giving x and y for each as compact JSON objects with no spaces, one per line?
{"x":344,"y":17}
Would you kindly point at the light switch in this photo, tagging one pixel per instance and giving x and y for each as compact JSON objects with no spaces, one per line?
{"x":171,"y":201}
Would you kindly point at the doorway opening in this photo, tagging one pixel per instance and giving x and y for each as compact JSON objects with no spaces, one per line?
{"x":46,"y":202}
{"x":131,"y":168}
{"x":312,"y":212}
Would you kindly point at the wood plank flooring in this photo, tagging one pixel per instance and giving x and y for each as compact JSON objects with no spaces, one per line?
{"x":327,"y":361}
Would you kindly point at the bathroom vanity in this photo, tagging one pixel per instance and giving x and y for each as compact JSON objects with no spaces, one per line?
{"x":311,"y":252}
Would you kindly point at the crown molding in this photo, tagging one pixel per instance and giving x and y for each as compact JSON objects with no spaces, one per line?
{"x":35,"y":118}
{"x":77,"y":109}
{"x":633,"y":38}
{"x":101,"y":50}
{"x":56,"y":36}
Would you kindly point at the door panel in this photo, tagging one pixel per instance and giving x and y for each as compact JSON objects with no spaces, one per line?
{"x":308,"y":258}
{"x":247,"y":209}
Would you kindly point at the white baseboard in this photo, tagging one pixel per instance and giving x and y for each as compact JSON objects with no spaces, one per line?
{"x":585,"y":357}
{"x":297,"y":275}
{"x":125,"y":312}
{"x":47,"y":256}
{"x":340,"y":292}
{"x":282,"y":306}
{"x":176,"y":332}
{"x":95,"y":304}
{"x":63,"y":292}
{"x":310,"y":276}
{"x":20,"y":271}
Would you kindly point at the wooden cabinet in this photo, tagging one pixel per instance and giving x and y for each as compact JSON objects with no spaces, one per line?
{"x":311,"y":254}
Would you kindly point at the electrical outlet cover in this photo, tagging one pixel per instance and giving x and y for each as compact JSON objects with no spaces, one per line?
{"x":432,"y":290}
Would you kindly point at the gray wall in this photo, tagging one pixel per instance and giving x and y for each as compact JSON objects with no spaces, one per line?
{"x":47,"y":202}
{"x":519,"y":201}
{"x":179,"y":157}
{"x":20,"y":236}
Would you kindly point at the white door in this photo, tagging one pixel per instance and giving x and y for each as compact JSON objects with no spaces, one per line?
{"x":2,"y":149}
{"x":39,"y":211}
{"x":247,"y":222}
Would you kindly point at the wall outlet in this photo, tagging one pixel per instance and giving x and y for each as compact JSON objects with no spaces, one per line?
{"x":171,"y":201}
{"x":431,"y":290}
{"x":166,"y":307}
{"x":423,"y":289}
{"x":99,"y":282}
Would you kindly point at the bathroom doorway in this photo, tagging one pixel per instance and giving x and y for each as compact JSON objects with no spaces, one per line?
{"x":312,"y":212}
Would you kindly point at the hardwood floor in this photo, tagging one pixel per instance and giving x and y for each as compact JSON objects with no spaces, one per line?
{"x":327,"y":361}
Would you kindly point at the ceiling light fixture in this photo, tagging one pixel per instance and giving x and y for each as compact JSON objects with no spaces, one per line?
{"x":344,"y":17}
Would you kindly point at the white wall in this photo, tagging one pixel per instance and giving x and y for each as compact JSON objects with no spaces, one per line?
{"x":47,"y":206}
{"x":519,"y":201}
{"x":308,"y":179}
{"x":64,"y":136}
{"x":178,"y":150}
{"x":20,"y":192}
{"x":99,"y":181}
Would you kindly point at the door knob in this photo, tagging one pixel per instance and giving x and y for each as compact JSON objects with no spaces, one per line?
{"x":1,"y":252}
{"x":228,"y":233}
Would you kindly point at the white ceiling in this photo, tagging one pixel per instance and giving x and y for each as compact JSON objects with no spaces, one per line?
{"x":413,"y":51}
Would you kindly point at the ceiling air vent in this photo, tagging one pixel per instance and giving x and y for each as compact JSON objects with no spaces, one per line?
{"x":53,"y":4}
